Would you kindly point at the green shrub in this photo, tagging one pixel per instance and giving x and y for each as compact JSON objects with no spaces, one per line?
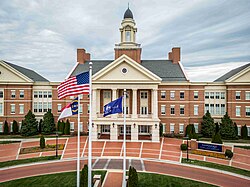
{"x":183,"y":147}
{"x":244,"y":132}
{"x":161,"y":130}
{"x":15,"y":127}
{"x":132,"y":177}
{"x":190,"y":131}
{"x":42,"y":142}
{"x":29,"y":125}
{"x":67,"y":128}
{"x":84,"y":176}
{"x":48,"y":123}
{"x":207,"y":125}
{"x":229,"y":153}
{"x":6,"y":128}
{"x":217,"y":138}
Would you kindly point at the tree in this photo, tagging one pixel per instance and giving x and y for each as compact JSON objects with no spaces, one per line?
{"x":29,"y":125}
{"x":14,"y":127}
{"x":67,"y":128}
{"x":42,"y":142}
{"x":161,"y":130}
{"x":61,"y":126}
{"x":227,"y":130}
{"x":40,"y":126}
{"x":236,"y":128}
{"x":6,"y":128}
{"x":190,"y":131}
{"x":217,"y":138}
{"x":133,"y":177}
{"x":48,"y":123}
{"x":207,"y":125}
{"x":244,"y":132}
{"x":84,"y":176}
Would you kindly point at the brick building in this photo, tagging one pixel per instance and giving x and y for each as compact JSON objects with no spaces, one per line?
{"x":158,"y":92}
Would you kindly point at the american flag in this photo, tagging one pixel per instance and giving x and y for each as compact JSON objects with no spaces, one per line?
{"x":76,"y":85}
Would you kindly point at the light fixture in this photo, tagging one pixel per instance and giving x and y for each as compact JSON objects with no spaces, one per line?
{"x":134,"y":125}
{"x":92,"y":124}
{"x":113,"y":125}
{"x":156,"y":126}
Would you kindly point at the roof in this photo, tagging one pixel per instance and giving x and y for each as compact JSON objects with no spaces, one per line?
{"x":128,"y":14}
{"x":165,"y":69}
{"x":232,"y":73}
{"x":27,"y":72}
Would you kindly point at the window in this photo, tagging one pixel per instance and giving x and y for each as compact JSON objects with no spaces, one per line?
{"x":1,"y":94}
{"x":212,"y":109}
{"x":196,"y":94}
{"x":239,"y":130}
{"x":59,"y":107}
{"x":196,"y":109}
{"x":172,"y":112}
{"x":81,"y":127}
{"x":49,"y":105}
{"x":164,"y":127}
{"x":237,"y":95}
{"x":11,"y":127}
{"x":13,"y":94}
{"x":144,"y":110}
{"x":40,"y":94}
{"x":21,"y":94}
{"x":88,"y":108}
{"x":72,"y":126}
{"x":12,"y":108}
{"x":217,"y":95}
{"x":206,"y":95}
{"x":181,"y":128}
{"x":171,"y":127}
{"x":20,"y":126}
{"x":222,"y":95}
{"x":163,"y":95}
{"x":128,"y":129}
{"x":247,"y":95}
{"x":81,"y":96}
{"x":49,"y":94}
{"x":172,"y":94}
{"x":35,"y":107}
{"x":247,"y":111}
{"x":40,"y":107}
{"x":45,"y":107}
{"x":35,"y":94}
{"x":1,"y":126}
{"x":107,"y":94}
{"x":211,"y":95}
{"x":105,"y":129}
{"x":144,"y":129}
{"x":237,"y":111}
{"x":144,"y":95}
{"x":196,"y":127}
{"x":1,"y":109}
{"x":45,"y":94}
{"x":182,"y":110}
{"x":206,"y":108}
{"x":182,"y":95}
{"x":21,"y":108}
{"x":163,"y":109}
{"x":222,"y":109}
{"x":128,"y":36}
{"x":217,"y":109}
{"x":80,"y":108}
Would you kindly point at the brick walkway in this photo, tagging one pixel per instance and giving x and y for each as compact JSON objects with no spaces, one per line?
{"x":114,"y":179}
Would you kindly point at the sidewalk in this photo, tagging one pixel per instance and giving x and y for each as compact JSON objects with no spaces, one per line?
{"x":113,"y":179}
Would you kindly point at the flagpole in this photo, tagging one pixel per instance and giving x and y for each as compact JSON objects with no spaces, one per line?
{"x":78,"y":144}
{"x":90,"y":128}
{"x":124,"y":139}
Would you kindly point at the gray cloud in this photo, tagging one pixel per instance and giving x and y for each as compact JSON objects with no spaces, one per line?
{"x":44,"y":35}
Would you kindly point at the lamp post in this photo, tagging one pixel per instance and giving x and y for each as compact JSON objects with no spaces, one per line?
{"x":56,"y":141}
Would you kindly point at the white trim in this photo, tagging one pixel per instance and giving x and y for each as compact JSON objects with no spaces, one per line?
{"x":183,"y":71}
{"x":76,"y":64}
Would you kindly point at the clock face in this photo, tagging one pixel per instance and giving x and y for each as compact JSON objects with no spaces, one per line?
{"x":124,"y":70}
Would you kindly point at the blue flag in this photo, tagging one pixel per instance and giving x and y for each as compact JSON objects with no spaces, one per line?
{"x":113,"y":107}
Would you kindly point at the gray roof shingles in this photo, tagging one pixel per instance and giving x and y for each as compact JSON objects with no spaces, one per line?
{"x":29,"y":73}
{"x":165,"y":69}
{"x":231,"y":73}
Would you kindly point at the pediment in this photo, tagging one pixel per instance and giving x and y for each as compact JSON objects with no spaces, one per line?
{"x":241,"y":77}
{"x":125,"y":69}
{"x":9,"y":74}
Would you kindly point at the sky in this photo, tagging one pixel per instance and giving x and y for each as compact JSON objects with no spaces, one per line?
{"x":43,"y":35}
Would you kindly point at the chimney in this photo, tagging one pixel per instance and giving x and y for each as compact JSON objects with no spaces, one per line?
{"x":176,"y":55}
{"x":82,"y":56}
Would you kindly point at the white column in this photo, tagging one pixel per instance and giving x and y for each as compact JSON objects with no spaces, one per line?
{"x":98,"y":101}
{"x":155,"y":132}
{"x":134,"y":132}
{"x":154,"y":107}
{"x":114,"y":97}
{"x":94,"y":132}
{"x":94,"y":103}
{"x":113,"y":132}
{"x":134,"y":105}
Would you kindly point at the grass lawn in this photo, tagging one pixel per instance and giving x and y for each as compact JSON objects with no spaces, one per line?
{"x":243,"y":147}
{"x":29,"y":160}
{"x":217,"y":166}
{"x":38,"y":149}
{"x":18,"y":136}
{"x":56,"y":180}
{"x":8,"y":142}
{"x":228,"y":141}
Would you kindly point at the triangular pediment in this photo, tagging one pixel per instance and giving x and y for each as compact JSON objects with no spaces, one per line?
{"x":125,"y":69}
{"x":9,"y":74}
{"x":241,"y":77}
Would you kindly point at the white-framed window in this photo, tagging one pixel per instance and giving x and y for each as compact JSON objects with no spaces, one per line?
{"x":72,"y":97}
{"x":164,"y":127}
{"x":49,"y":94}
{"x":1,"y":109}
{"x":144,"y":110}
{"x":172,"y":110}
{"x":182,"y":111}
{"x":45,"y":94}
{"x":11,"y":126}
{"x":171,"y":127}
{"x":217,"y":109}
{"x":81,"y":108}
{"x":163,"y":109}
{"x":128,"y":36}
{"x":49,"y":105}
{"x":172,"y":95}
{"x":81,"y":96}
{"x":21,"y":108}
{"x":217,"y":95}
{"x":212,"y":109}
{"x":239,"y":130}
{"x":45,"y":107}
{"x":196,"y":127}
{"x":88,"y":108}
{"x":20,"y":126}
{"x":248,"y":130}
{"x":182,"y":94}
{"x":35,"y":107}
{"x":237,"y":95}
{"x":206,"y":95}
{"x":248,"y":111}
{"x":12,"y":108}
{"x":106,"y":94}
{"x":35,"y":94}
{"x":40,"y":107}
{"x":237,"y":110}
{"x":181,"y":128}
{"x":247,"y":95}
{"x":222,"y":95}
{"x":196,"y":109}
{"x":144,"y":94}
{"x":72,"y":126}
{"x":196,"y":94}
{"x":1,"y":94}
{"x":222,"y":110}
{"x":144,"y":129}
{"x":163,"y":94}
{"x":105,"y":129}
{"x":1,"y":126}
{"x":211,"y":95}
{"x":59,"y":107}
{"x":21,"y":94}
{"x":206,"y":108}
{"x":81,"y":127}
{"x":40,"y":94}
{"x":13,"y":94}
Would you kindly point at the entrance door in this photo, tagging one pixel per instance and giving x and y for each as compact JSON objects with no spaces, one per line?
{"x":128,"y":130}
